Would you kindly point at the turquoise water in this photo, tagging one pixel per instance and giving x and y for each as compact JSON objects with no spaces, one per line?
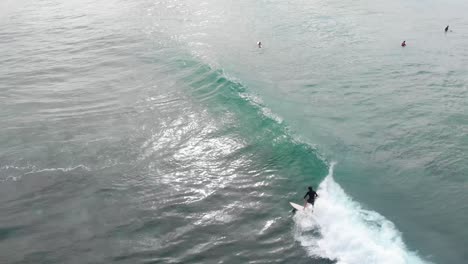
{"x":157,"y":132}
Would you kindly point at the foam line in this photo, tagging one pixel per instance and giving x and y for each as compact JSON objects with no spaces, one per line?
{"x":340,"y":229}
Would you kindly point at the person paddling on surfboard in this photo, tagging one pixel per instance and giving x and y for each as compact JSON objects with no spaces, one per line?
{"x":312,"y":195}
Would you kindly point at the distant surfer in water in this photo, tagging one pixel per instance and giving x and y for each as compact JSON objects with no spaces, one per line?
{"x":259,"y":44}
{"x":446,"y":29}
{"x":403,"y":44}
{"x":312,"y":195}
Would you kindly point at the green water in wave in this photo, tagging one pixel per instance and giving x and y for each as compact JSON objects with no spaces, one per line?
{"x":158,"y":132}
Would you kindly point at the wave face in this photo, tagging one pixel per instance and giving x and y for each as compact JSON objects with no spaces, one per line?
{"x":340,"y":229}
{"x":158,"y":132}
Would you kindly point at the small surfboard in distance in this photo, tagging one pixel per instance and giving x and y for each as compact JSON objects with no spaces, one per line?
{"x":296,"y":206}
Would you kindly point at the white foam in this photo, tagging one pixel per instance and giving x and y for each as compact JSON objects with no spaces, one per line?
{"x":83,"y":167}
{"x":257,"y":102}
{"x":340,"y":229}
{"x":268,"y":224}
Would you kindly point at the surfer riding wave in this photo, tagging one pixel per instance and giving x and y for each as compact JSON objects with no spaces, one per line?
{"x":312,"y":195}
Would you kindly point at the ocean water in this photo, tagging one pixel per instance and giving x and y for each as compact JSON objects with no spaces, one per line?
{"x":138,"y":131}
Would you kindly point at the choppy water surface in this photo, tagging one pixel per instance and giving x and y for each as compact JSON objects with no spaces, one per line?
{"x":157,"y":132}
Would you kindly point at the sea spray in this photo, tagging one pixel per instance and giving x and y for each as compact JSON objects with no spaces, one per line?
{"x":340,"y":229}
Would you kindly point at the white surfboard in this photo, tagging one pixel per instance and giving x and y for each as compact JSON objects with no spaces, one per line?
{"x":296,"y":206}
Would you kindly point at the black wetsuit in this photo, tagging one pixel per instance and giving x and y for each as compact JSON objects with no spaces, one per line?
{"x":312,"y":195}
